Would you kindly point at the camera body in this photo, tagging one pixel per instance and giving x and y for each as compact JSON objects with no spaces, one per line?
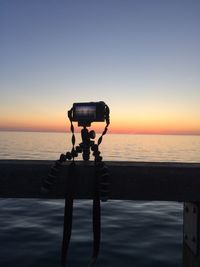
{"x":87,"y":112}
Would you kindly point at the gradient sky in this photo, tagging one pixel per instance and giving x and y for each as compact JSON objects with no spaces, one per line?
{"x":142,"y":57}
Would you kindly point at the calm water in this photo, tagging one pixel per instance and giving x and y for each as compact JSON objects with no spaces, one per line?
{"x":139,"y":234}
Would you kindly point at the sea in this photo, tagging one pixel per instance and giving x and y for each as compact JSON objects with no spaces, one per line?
{"x":134,"y":233}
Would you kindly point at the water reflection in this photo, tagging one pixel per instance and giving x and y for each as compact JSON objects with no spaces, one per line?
{"x":19,"y":145}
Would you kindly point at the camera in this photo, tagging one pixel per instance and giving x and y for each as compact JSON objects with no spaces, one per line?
{"x":88,"y":112}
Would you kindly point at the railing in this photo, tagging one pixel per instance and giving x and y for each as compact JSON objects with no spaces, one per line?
{"x":128,"y":181}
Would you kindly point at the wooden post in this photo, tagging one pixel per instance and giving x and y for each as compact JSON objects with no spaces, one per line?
{"x":191,"y":234}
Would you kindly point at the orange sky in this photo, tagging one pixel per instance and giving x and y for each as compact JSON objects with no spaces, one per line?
{"x":134,"y":125}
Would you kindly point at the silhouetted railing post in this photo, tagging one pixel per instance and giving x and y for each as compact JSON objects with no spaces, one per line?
{"x":191,"y":234}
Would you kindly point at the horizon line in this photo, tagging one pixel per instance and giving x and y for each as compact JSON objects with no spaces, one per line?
{"x":125,"y":133}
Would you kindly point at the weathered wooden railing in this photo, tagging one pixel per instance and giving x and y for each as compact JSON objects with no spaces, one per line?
{"x":128,"y":181}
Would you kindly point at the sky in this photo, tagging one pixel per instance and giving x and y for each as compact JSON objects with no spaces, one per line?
{"x":142,"y":57}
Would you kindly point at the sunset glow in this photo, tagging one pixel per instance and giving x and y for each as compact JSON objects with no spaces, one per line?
{"x":129,"y":125}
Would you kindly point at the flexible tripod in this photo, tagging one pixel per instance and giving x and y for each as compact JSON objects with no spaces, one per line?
{"x":100,"y":185}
